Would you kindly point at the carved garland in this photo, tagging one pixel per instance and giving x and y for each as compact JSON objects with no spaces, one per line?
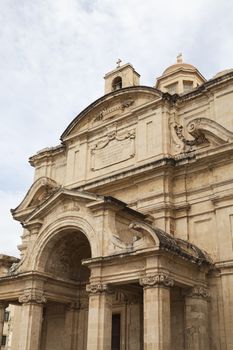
{"x":113,"y":136}
{"x":156,"y":280}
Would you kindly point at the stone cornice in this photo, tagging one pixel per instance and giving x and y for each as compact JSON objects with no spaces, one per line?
{"x":205,"y":87}
{"x":46,"y":153}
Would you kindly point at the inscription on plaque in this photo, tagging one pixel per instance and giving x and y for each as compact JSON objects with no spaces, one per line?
{"x":114,"y":149}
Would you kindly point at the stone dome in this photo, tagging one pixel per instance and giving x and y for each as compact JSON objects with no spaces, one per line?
{"x":223,"y":72}
{"x":176,"y":66}
{"x":179,"y":78}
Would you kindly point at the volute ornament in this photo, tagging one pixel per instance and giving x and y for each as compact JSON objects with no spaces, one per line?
{"x":156,"y":280}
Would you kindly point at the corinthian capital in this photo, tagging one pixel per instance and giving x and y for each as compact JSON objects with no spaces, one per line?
{"x":156,"y":280}
{"x":32,"y":297}
{"x":95,"y":288}
{"x":198,"y":292}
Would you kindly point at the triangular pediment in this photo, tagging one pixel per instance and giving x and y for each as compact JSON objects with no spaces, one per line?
{"x":60,"y":196}
{"x":38,"y":193}
{"x":109,"y":107}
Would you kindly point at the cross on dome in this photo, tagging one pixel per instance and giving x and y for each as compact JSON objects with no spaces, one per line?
{"x":118,"y":62}
{"x":179,"y":58}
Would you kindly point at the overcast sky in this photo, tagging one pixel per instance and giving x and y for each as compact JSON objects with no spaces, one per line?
{"x":54,"y":54}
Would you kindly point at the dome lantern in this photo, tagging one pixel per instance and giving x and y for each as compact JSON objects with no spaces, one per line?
{"x":179,"y":78}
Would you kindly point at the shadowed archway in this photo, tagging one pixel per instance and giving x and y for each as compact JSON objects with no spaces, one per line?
{"x":63,"y":257}
{"x":65,"y":254}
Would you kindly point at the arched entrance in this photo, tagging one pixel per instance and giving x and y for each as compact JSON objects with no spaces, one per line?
{"x":66,"y":312}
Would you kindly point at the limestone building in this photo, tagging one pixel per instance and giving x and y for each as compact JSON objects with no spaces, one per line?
{"x":128,"y":226}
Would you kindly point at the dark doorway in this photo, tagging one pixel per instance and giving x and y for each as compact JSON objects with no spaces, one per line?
{"x":116,"y":332}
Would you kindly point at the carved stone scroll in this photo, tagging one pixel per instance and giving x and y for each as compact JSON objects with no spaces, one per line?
{"x":204,"y":131}
{"x":156,"y":280}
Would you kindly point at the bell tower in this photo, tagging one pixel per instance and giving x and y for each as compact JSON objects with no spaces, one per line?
{"x":121,"y":77}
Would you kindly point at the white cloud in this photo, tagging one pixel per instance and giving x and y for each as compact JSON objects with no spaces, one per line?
{"x":54,"y":53}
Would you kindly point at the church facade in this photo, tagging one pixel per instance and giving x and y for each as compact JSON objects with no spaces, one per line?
{"x":127,"y":237}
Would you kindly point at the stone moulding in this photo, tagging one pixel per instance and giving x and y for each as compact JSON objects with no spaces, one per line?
{"x":156,"y":280}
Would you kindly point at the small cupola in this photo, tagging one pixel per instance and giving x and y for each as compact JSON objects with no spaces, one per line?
{"x":121,"y":77}
{"x":179,"y":78}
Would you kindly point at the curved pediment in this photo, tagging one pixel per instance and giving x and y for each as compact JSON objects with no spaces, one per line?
{"x":165,"y":241}
{"x":210,"y":130}
{"x":200,"y":132}
{"x":40,"y":190}
{"x":111,"y":106}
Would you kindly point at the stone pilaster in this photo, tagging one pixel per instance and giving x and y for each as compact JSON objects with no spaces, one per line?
{"x":31,"y":320}
{"x":71,"y":326}
{"x":99,"y":317}
{"x":2,"y":313}
{"x":196,"y":318}
{"x":157,"y":318}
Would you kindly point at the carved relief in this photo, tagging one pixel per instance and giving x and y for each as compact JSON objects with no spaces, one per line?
{"x":112,"y":111}
{"x":115,"y":148}
{"x":156,"y":280}
{"x":32,"y":296}
{"x":68,"y":205}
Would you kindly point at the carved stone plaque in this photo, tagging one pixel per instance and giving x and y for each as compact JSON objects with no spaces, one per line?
{"x":114,"y":149}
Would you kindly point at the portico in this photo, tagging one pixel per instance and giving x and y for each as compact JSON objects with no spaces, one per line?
{"x":80,"y":278}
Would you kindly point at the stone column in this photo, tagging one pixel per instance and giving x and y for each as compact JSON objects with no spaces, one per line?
{"x":157,"y":319}
{"x":99,"y":317}
{"x":2,"y":314}
{"x":196,"y":318}
{"x":31,"y":320}
{"x":71,"y":326}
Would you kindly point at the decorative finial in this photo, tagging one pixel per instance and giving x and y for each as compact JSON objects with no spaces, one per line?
{"x":118,"y":63}
{"x":179,"y":58}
